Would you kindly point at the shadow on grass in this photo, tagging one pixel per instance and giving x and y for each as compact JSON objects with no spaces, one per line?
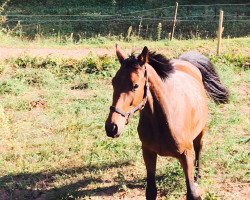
{"x":40,"y":186}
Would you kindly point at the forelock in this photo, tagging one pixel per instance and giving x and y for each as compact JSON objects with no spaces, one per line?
{"x":131,"y":61}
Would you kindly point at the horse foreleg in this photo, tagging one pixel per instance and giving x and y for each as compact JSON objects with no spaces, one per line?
{"x":197,"y":148}
{"x":150,"y":162}
{"x":187,"y":163}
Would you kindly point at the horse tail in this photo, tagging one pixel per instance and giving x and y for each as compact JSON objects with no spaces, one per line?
{"x":210,"y":78}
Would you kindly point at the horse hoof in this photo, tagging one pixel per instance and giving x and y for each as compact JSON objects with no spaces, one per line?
{"x":191,"y":197}
{"x":194,"y":198}
{"x":151,"y":194}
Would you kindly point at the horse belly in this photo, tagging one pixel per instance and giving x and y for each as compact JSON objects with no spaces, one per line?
{"x":158,"y":141}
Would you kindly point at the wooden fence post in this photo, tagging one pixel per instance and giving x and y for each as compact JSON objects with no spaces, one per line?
{"x":174,"y":20}
{"x":220,"y":30}
{"x":140,"y":25}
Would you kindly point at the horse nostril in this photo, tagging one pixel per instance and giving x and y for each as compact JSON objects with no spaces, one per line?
{"x":114,"y":128}
{"x":111,"y":129}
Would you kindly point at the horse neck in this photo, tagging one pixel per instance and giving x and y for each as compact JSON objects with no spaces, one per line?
{"x":158,"y":91}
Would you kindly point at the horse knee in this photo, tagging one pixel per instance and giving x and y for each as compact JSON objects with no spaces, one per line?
{"x":151,"y":193}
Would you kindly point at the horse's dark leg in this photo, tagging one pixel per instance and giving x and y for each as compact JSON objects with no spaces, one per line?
{"x":150,"y":162}
{"x":197,"y":148}
{"x":187,"y":163}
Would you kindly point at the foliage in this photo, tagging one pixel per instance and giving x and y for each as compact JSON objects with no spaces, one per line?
{"x":64,"y":68}
{"x":119,"y":3}
{"x":77,"y":20}
{"x":12,"y":86}
{"x":237,"y":60}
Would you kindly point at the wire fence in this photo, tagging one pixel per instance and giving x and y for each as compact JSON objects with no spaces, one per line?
{"x":192,"y":21}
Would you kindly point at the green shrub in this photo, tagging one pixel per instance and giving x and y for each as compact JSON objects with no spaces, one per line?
{"x":239,"y":61}
{"x":236,"y":60}
{"x":12,"y":86}
{"x":37,"y":77}
{"x":104,"y":66}
{"x":33,"y":62}
{"x":65,"y":69}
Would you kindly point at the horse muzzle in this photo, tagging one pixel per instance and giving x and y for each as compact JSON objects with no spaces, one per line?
{"x":112,"y":130}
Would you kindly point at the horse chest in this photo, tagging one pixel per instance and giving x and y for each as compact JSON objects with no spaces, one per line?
{"x":156,"y":137}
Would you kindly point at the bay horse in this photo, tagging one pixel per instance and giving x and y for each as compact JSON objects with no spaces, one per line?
{"x":171,"y":96}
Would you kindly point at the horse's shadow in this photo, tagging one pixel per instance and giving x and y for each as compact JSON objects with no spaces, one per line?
{"x":39,"y":186}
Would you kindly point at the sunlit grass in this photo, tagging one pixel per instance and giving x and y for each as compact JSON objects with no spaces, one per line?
{"x":53,"y":140}
{"x":171,"y":48}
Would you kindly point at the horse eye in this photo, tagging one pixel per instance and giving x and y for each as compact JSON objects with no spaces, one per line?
{"x":135,"y":86}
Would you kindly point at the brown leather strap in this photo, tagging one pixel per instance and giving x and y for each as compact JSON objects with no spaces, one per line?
{"x":119,"y":111}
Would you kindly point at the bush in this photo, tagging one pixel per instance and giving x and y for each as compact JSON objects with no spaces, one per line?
{"x":65,"y":69}
{"x":12,"y":86}
{"x":33,"y":62}
{"x":239,"y":61}
{"x":37,"y":78}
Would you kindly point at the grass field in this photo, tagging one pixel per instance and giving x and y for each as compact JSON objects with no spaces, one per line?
{"x":53,"y":144}
{"x":229,"y":45}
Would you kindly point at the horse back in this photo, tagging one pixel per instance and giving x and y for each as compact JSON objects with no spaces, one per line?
{"x":187,"y":67}
{"x":187,"y":102}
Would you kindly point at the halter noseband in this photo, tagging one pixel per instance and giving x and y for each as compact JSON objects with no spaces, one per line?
{"x":140,"y":106}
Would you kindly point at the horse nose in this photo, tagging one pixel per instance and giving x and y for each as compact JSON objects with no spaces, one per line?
{"x":111,"y":129}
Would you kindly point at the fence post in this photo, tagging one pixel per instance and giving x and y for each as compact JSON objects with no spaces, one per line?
{"x":174,"y":20}
{"x":140,"y":25}
{"x":220,"y":30}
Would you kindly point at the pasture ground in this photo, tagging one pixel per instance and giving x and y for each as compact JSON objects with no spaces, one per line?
{"x":52,"y":139}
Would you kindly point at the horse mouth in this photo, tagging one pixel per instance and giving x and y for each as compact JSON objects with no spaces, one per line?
{"x":113,"y":136}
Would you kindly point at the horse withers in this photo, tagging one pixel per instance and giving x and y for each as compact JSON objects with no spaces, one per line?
{"x":171,"y":96}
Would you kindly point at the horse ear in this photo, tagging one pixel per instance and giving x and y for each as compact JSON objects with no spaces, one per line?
{"x":144,"y":56}
{"x":119,"y":53}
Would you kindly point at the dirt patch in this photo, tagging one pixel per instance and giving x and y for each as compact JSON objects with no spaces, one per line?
{"x":37,"y":104}
{"x":6,"y":52}
{"x":235,"y":191}
{"x":77,"y":53}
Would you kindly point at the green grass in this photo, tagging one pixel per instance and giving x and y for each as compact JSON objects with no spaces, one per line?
{"x":231,"y":46}
{"x":53,"y":143}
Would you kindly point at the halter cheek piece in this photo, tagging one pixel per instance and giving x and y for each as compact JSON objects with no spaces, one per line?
{"x":140,"y":106}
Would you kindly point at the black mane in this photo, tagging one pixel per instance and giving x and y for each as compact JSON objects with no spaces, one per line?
{"x":159,"y":62}
{"x":161,"y":65}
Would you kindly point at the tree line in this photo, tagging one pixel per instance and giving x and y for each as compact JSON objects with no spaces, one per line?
{"x":118,"y":3}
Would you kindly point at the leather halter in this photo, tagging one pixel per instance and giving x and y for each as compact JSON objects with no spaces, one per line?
{"x":140,"y":106}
